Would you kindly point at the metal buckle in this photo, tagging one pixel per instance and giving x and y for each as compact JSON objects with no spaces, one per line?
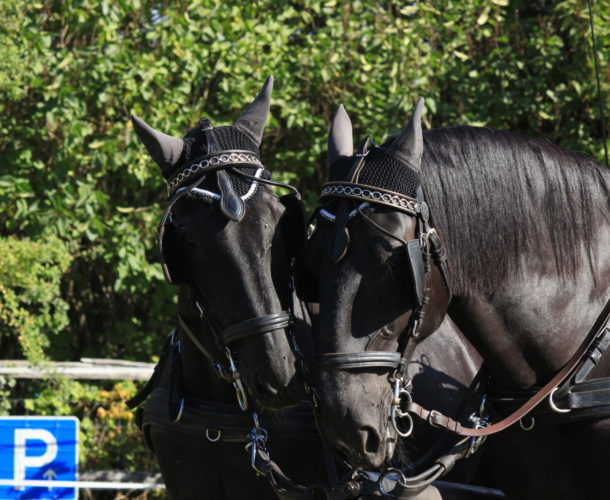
{"x":433,"y":414}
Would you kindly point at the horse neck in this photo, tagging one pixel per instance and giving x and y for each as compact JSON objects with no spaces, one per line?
{"x":531,"y":323}
{"x":527,"y":229}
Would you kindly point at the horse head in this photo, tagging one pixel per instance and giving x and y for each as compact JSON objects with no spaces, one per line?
{"x":376,"y":266}
{"x":230,"y":240}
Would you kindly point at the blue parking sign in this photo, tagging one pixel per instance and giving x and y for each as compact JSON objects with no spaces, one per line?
{"x":38,"y":448}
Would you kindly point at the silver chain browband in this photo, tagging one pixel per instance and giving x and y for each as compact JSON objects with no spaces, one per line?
{"x":218,"y":160}
{"x":369,"y":193}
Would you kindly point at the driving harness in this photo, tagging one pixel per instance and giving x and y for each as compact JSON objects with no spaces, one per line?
{"x":166,"y":407}
{"x":567,"y":391}
{"x":570,"y":397}
{"x":422,"y":252}
{"x":230,"y":166}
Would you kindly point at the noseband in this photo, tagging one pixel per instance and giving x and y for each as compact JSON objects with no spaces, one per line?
{"x":188,"y":181}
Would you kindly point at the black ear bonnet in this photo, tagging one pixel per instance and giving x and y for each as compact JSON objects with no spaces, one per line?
{"x":371,"y":166}
{"x":228,"y":187}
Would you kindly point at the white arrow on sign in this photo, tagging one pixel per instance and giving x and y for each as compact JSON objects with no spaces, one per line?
{"x":22,"y":461}
{"x":49,"y":475}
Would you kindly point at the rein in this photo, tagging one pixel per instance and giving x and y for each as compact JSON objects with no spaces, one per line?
{"x":585,"y":358}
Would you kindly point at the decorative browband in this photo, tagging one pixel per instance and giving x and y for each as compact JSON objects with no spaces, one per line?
{"x":371,"y":194}
{"x":217,"y":161}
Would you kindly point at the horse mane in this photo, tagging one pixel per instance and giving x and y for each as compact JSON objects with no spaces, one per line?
{"x":498,"y":196}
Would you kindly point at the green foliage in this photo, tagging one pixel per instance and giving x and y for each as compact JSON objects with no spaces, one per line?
{"x":32,"y":310}
{"x":72,"y":168}
{"x":77,"y":190}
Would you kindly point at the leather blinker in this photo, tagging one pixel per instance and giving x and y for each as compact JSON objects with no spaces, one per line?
{"x":339,"y":240}
{"x":417,"y":269}
{"x":231,"y":205}
{"x":294,"y":224}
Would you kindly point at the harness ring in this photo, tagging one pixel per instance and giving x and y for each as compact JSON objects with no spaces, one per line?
{"x":554,"y":407}
{"x":215,"y":438}
{"x":528,"y":427}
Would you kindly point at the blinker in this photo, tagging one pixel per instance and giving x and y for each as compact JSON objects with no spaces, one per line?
{"x":231,"y":204}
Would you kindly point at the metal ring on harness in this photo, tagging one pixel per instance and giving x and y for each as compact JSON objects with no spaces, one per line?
{"x":529,"y":427}
{"x":554,"y":407}
{"x":382,"y":476}
{"x":180,"y":411}
{"x":215,"y":438}
{"x":398,"y":393}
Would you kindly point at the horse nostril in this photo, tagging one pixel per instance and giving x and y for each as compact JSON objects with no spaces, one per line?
{"x":370,"y":438}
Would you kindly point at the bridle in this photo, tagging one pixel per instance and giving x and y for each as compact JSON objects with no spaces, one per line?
{"x":185,"y":181}
{"x":423,"y":251}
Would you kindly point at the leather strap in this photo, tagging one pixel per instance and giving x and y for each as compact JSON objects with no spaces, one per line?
{"x":224,"y":422}
{"x":589,"y":345}
{"x":255,"y":326}
{"x":145,"y":391}
{"x":193,"y":338}
{"x":360,"y":360}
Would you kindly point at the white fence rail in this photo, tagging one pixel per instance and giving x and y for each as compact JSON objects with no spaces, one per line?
{"x":85,"y":369}
{"x":97,"y":480}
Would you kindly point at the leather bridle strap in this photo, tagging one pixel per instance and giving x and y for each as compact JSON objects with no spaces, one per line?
{"x":360,"y":360}
{"x":437,"y":419}
{"x":193,"y":338}
{"x":255,"y":326}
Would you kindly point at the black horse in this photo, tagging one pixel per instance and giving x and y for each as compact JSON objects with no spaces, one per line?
{"x":228,"y":241}
{"x":511,"y":236}
{"x":349,"y":406}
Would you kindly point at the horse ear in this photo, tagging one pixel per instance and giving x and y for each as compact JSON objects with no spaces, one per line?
{"x":409,"y":144}
{"x":163,"y":148}
{"x":340,"y":141}
{"x":253,"y":119}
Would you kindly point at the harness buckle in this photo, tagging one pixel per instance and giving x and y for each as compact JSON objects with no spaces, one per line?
{"x":431,"y":416}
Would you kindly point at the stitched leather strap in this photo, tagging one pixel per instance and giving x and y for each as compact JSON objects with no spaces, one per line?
{"x":437,"y":419}
{"x":226,"y":422}
{"x":360,"y":360}
{"x":255,"y":326}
